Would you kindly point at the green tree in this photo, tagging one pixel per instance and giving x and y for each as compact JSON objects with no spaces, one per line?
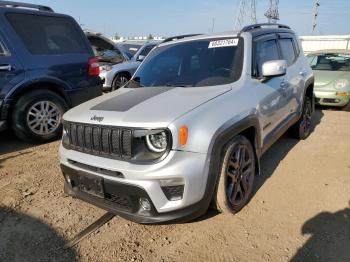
{"x":150,"y":37}
{"x":116,"y":36}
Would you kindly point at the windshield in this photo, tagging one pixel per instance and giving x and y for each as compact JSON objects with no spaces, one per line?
{"x":129,"y":49}
{"x":204,"y":62}
{"x":330,"y":62}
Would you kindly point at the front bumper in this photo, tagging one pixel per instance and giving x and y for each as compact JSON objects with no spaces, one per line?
{"x":142,"y":181}
{"x":330,"y":98}
{"x":4,"y":110}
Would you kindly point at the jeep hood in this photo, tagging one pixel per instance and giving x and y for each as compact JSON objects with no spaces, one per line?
{"x":149,"y":107}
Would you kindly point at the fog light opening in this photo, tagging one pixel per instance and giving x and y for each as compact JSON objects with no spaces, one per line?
{"x":145,"y":204}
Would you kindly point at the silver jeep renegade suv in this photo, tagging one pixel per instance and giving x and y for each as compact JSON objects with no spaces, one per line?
{"x":189,"y":128}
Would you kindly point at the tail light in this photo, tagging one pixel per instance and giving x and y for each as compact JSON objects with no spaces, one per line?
{"x":93,"y":67}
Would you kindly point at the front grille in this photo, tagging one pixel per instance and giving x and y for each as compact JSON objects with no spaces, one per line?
{"x":329,"y":100}
{"x":119,"y":200}
{"x":104,"y":141}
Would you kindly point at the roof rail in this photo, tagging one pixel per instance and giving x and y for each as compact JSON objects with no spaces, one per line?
{"x":25,"y":5}
{"x":178,"y":37}
{"x":256,"y":26}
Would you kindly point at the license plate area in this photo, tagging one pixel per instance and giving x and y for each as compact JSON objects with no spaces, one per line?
{"x":90,"y":184}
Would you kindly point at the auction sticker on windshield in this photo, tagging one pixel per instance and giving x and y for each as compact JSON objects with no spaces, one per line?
{"x":223,"y":43}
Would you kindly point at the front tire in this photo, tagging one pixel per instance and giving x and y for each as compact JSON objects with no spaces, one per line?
{"x":236,"y":180}
{"x":37,"y":116}
{"x":119,"y":81}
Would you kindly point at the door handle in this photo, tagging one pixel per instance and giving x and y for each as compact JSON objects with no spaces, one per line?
{"x":5,"y":68}
{"x":302,"y":73}
{"x":284,"y":84}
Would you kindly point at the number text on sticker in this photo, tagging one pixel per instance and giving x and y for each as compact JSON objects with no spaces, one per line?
{"x":223,"y":43}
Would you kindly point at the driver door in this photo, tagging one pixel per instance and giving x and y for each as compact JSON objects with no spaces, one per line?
{"x":11,"y":70}
{"x":271,"y":92}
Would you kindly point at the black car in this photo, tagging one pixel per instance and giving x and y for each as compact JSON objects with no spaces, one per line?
{"x":46,"y":67}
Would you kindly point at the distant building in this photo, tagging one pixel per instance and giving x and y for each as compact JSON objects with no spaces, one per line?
{"x":135,"y":38}
{"x":315,"y":43}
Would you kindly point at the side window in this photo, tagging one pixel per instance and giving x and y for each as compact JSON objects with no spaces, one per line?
{"x":2,"y":49}
{"x":265,"y":51}
{"x":48,"y":34}
{"x":287,"y":49}
{"x":146,"y":50}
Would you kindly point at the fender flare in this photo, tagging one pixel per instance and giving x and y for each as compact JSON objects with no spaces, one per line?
{"x":23,"y":87}
{"x":309,"y":82}
{"x":223,"y":135}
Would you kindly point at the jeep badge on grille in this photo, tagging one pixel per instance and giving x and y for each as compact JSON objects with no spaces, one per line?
{"x":97,"y":118}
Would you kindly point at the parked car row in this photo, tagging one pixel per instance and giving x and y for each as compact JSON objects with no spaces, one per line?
{"x":116,"y":76}
{"x":188,"y":122}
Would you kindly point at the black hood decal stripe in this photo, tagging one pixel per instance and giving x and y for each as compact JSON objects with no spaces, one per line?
{"x":124,"y":102}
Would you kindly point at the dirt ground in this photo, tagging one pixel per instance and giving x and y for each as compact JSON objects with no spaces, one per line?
{"x":300,"y":210}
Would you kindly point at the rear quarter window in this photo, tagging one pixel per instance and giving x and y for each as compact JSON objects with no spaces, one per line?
{"x":48,"y":35}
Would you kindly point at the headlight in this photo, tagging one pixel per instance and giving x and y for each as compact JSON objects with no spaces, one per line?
{"x":106,"y":68}
{"x":150,"y":145}
{"x":157,"y":142}
{"x":65,"y":136}
{"x":339,"y":84}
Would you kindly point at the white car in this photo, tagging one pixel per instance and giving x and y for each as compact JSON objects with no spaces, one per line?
{"x":116,"y":76}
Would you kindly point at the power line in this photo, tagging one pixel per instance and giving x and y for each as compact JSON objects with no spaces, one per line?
{"x":246,"y":13}
{"x":272,"y":13}
{"x":315,"y":15}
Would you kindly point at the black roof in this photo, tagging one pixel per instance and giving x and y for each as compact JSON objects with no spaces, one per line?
{"x":12,"y":4}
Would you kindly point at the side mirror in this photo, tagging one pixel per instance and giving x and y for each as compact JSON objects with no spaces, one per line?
{"x":274,"y":68}
{"x":140,"y":58}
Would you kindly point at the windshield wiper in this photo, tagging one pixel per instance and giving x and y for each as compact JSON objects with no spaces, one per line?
{"x":172,"y":85}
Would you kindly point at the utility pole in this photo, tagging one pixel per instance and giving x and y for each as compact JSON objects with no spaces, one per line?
{"x":272,"y":13}
{"x":315,"y":15}
{"x":246,"y":13}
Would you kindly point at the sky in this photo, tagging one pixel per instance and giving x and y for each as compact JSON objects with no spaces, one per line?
{"x":166,"y":18}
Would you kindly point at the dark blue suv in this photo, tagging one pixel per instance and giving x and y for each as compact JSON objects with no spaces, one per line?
{"x":46,"y":67}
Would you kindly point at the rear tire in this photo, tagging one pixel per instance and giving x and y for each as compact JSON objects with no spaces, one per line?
{"x":236,"y":180}
{"x":120,"y":80}
{"x":37,"y":116}
{"x":302,"y":129}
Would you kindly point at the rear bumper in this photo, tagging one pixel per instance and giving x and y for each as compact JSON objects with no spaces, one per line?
{"x":330,"y":98}
{"x":80,"y":96}
{"x":126,"y":201}
{"x":107,"y":85}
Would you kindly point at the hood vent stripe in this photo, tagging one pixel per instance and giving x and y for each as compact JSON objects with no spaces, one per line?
{"x":128,"y":100}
